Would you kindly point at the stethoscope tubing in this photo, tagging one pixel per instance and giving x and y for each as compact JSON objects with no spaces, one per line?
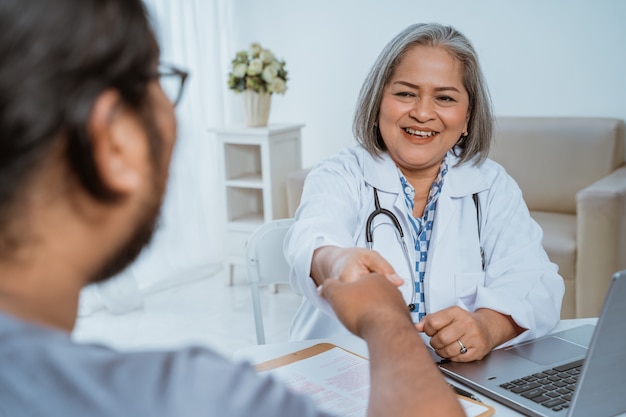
{"x":369,"y":238}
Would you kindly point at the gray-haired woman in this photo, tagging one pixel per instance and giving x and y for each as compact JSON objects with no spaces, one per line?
{"x":419,"y":199}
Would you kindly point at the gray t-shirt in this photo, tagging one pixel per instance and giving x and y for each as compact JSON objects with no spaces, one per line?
{"x":44,"y":373}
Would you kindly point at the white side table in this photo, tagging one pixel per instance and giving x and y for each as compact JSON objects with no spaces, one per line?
{"x":255,"y":163}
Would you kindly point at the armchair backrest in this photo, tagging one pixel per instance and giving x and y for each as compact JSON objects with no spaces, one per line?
{"x":552,"y":158}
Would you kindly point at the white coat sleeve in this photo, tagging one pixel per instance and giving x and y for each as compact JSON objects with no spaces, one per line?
{"x":520,"y":279}
{"x":327,"y":216}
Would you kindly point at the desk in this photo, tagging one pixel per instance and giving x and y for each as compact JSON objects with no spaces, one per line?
{"x":262,"y":353}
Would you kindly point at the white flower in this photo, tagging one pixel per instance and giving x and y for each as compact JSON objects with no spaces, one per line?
{"x":278,"y":85}
{"x":255,"y":49}
{"x":256,"y":66}
{"x":240,"y":70}
{"x":257,"y":69}
{"x":267,"y":56}
{"x":269,"y":73}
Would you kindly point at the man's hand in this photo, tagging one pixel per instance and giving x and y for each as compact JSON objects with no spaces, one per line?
{"x":369,"y":300}
{"x":404,"y":379}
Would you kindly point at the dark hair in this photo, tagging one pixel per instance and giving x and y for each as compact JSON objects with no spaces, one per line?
{"x":58,"y":56}
{"x":480,"y":125}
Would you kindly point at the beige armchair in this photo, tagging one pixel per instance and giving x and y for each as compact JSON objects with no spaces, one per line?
{"x":573,"y":177}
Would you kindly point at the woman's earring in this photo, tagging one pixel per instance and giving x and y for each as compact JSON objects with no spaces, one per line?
{"x":462,"y":138}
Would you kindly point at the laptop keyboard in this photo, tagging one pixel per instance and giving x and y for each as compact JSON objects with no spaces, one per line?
{"x":552,"y":388}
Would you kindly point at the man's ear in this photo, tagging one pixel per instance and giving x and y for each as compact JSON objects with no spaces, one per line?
{"x":117,"y":143}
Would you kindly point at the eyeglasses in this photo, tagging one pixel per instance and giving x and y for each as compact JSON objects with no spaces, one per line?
{"x":172,"y":81}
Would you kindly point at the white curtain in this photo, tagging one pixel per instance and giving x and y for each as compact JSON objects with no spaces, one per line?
{"x":193,"y":35}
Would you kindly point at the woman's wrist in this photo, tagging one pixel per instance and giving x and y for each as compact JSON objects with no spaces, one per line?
{"x":324,"y":258}
{"x":500,"y":328}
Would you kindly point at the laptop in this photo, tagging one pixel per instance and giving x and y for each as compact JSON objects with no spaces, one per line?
{"x":578,"y":372}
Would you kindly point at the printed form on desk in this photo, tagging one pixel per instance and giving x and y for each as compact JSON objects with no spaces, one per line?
{"x":338,"y":380}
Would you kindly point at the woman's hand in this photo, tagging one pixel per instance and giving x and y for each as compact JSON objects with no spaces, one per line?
{"x":453,"y":328}
{"x":349,"y":264}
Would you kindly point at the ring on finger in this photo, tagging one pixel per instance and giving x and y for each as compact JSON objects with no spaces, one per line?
{"x":463,"y":348}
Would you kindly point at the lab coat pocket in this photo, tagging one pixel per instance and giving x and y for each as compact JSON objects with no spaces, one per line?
{"x":466,"y":287}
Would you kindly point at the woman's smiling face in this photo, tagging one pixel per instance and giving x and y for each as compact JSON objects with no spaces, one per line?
{"x":424,"y":109}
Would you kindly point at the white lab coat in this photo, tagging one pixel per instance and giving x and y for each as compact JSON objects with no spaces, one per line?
{"x":519,"y":280}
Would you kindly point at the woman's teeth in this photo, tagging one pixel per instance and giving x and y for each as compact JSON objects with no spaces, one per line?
{"x":419,"y":132}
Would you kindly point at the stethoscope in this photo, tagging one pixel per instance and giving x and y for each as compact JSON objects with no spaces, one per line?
{"x":369,"y":238}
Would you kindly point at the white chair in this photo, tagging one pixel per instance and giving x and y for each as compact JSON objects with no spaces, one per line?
{"x":266,"y":264}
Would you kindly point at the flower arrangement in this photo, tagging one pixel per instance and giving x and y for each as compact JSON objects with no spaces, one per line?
{"x":257,"y":69}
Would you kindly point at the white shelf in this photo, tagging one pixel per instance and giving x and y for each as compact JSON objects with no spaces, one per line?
{"x":248,"y":223}
{"x":246,"y":181}
{"x":255,"y":165}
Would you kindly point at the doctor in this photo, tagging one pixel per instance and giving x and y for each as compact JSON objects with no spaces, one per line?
{"x":420,"y":192}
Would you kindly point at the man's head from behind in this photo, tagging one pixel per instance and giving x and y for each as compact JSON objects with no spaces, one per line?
{"x":86,"y":132}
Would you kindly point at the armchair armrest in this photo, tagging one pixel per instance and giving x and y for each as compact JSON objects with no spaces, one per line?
{"x":601,"y":239}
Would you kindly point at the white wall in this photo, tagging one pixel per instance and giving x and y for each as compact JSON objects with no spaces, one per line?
{"x":540,"y":57}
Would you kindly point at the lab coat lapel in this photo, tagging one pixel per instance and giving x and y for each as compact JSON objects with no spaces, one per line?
{"x":439,"y":278}
{"x":460,"y":182}
{"x":382,"y":174}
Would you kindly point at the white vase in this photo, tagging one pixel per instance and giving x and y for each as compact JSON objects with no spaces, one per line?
{"x":257,"y":108}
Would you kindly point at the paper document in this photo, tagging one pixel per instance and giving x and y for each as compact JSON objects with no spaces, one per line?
{"x":338,"y":380}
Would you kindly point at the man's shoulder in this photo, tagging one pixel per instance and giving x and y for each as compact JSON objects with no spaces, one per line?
{"x":44,"y":369}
